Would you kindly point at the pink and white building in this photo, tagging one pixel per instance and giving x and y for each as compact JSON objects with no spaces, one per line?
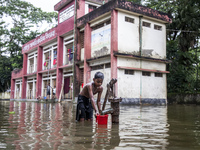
{"x":119,"y":38}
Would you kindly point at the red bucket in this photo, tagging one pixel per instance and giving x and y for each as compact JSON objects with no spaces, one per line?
{"x":102,"y":119}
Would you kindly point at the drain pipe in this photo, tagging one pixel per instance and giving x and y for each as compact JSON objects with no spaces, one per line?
{"x":140,"y":53}
{"x":74,"y":50}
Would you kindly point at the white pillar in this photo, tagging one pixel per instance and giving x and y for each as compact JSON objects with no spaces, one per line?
{"x":20,"y":90}
{"x":34,"y":63}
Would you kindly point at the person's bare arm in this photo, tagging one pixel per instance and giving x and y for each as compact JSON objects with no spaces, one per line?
{"x":99,"y":99}
{"x":92,"y":99}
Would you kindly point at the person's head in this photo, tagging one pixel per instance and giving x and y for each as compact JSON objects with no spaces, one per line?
{"x":98,"y":78}
{"x":48,"y":83}
{"x":54,"y":86}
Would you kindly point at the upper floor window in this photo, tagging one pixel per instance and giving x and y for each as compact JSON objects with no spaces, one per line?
{"x":158,"y":74}
{"x":128,"y":19}
{"x":91,"y":8}
{"x":146,"y":24}
{"x":145,"y":73}
{"x":101,"y":25}
{"x":101,"y":66}
{"x":157,"y":27}
{"x":50,"y":57}
{"x":68,"y":52}
{"x":32,"y":62}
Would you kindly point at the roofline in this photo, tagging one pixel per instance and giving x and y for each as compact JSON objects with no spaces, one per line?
{"x":125,"y":5}
{"x":61,"y":4}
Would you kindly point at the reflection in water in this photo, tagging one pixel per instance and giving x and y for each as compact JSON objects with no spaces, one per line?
{"x":143,"y":127}
{"x":184,"y":129}
{"x":52,"y":126}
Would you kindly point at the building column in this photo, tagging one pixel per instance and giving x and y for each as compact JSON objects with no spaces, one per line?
{"x":24,"y":82}
{"x":59,"y":75}
{"x":12,"y":92}
{"x":76,"y":70}
{"x":87,"y":53}
{"x":39,"y":76}
{"x":114,"y":45}
{"x":59,"y":72}
{"x":24,"y":79}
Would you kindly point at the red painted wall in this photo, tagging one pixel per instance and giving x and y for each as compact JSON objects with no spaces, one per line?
{"x":12,"y":89}
{"x":87,"y":52}
{"x":60,"y":63}
{"x":80,"y":8}
{"x":114,"y":45}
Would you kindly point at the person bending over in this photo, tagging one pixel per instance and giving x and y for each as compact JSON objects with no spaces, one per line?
{"x":86,"y":103}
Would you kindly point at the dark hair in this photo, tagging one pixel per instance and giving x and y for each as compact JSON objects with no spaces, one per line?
{"x":99,"y":75}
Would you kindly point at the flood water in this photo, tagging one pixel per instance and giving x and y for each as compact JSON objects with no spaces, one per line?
{"x":32,"y":125}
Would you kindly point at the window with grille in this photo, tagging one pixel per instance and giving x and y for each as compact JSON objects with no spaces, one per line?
{"x":101,"y":25}
{"x":97,"y":67}
{"x":82,"y":39}
{"x":129,"y":72}
{"x":128,"y":19}
{"x":157,"y":27}
{"x":158,"y":74}
{"x":146,"y":24}
{"x":145,"y":73}
{"x":107,"y":65}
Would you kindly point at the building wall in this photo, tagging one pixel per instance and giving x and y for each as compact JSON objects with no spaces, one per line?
{"x":138,"y":86}
{"x":153,"y":41}
{"x":154,"y":87}
{"x":128,"y":35}
{"x":153,"y":45}
{"x":128,"y":85}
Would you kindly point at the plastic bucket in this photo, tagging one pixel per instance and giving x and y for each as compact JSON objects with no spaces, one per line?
{"x":102,"y":119}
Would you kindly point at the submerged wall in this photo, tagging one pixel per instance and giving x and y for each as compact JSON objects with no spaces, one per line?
{"x":5,"y":95}
{"x":184,"y":98}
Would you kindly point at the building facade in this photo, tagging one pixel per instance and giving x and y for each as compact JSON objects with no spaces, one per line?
{"x":119,"y":38}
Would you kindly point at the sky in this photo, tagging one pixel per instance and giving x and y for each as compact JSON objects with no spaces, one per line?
{"x":45,"y":5}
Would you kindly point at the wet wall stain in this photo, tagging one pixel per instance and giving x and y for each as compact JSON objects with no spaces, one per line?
{"x":101,"y":52}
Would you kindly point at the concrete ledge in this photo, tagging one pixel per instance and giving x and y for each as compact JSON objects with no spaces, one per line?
{"x":144,"y":101}
{"x":184,"y":98}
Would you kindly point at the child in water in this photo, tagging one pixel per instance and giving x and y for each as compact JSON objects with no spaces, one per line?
{"x":86,"y":103}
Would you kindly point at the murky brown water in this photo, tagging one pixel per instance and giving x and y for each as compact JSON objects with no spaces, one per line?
{"x":52,"y":126}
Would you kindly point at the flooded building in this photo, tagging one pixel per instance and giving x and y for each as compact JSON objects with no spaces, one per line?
{"x":119,"y":38}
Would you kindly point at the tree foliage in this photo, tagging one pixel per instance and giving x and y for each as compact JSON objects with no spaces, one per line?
{"x":17,"y":18}
{"x":182,"y":43}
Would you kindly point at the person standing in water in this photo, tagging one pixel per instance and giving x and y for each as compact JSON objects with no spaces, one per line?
{"x":86,"y":103}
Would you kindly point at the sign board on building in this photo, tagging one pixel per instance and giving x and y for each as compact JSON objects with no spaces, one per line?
{"x":39,"y":40}
{"x":66,"y":14}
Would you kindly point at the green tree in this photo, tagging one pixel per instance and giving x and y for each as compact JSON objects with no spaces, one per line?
{"x":182,"y":42}
{"x":16,"y":23}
